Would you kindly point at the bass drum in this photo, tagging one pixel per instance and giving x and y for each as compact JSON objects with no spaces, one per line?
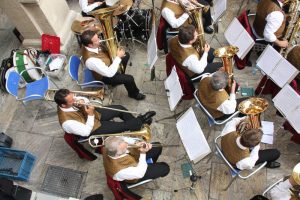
{"x":136,"y":24}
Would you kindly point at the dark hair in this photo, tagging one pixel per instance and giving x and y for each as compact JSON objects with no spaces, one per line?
{"x":60,"y":96}
{"x":219,"y":80}
{"x":251,"y":138}
{"x":186,"y":34}
{"x":86,"y":37}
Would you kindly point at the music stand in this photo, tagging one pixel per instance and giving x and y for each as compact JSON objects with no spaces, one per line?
{"x":218,"y":11}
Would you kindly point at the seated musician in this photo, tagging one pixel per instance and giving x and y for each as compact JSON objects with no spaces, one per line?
{"x":97,"y":59}
{"x":214,"y":97}
{"x":243,"y":150}
{"x":294,"y":59}
{"x":128,"y":164}
{"x":90,"y":5}
{"x":187,"y":56}
{"x":88,"y":120}
{"x":176,"y":16}
{"x":270,"y":22}
{"x":289,"y":188}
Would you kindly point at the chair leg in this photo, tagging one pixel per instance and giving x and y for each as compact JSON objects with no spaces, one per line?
{"x":229,"y":184}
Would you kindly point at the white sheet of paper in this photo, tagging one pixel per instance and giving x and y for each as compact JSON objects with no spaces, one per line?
{"x":192,"y":136}
{"x":173,"y":86}
{"x":268,"y":132}
{"x":268,"y":59}
{"x":244,"y":42}
{"x":218,"y":9}
{"x":233,"y":31}
{"x":152,"y":48}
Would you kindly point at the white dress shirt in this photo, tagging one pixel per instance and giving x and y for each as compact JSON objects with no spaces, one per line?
{"x":97,"y":65}
{"x":131,"y":173}
{"x":274,"y":21}
{"x":76,"y":127}
{"x":246,"y":163}
{"x":281,"y":191}
{"x":169,"y":16}
{"x":85,"y":7}
{"x":229,"y":105}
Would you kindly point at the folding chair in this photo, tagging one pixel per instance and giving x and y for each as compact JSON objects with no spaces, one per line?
{"x":88,"y":78}
{"x":265,"y":193}
{"x":121,"y":189}
{"x":210,"y":118}
{"x":234,"y":171}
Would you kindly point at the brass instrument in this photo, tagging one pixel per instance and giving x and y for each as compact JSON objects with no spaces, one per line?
{"x":251,"y":107}
{"x":105,"y":17}
{"x":226,"y":54}
{"x":144,"y":134}
{"x":295,"y":191}
{"x":293,"y":25}
{"x":195,"y":9}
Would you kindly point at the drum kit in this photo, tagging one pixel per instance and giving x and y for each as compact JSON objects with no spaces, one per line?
{"x":130,"y":23}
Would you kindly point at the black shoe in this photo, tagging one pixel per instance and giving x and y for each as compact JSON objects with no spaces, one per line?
{"x":139,"y":96}
{"x":208,"y":30}
{"x":148,"y":121}
{"x":249,"y":63}
{"x":273,"y":165}
{"x":147,"y":117}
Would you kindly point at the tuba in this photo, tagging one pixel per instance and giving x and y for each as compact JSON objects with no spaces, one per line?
{"x":144,"y":133}
{"x":195,"y":9}
{"x":226,"y":54}
{"x":251,"y":107}
{"x":105,"y":17}
{"x":293,"y":26}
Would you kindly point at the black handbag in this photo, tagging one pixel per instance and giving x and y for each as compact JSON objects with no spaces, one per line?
{"x":5,"y":140}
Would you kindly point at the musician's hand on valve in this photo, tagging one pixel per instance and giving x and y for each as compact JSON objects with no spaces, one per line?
{"x":206,"y":48}
{"x":120,"y":52}
{"x":145,"y":147}
{"x":89,"y":110}
{"x":282,"y":43}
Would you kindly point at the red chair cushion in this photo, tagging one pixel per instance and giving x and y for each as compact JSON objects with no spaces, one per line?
{"x":161,"y":33}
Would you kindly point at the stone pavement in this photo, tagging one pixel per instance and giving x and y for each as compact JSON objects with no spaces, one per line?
{"x":35,"y":128}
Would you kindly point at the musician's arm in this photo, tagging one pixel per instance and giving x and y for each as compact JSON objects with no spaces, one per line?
{"x":78,"y":128}
{"x":194,"y":64}
{"x":85,"y":7}
{"x":249,"y":162}
{"x":97,"y":65}
{"x":274,"y":21}
{"x":174,"y":22}
{"x":229,"y":105}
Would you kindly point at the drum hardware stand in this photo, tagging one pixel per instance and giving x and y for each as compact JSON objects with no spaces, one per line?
{"x":216,"y":28}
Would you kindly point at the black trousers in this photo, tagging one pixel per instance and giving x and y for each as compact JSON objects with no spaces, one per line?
{"x":129,"y":122}
{"x":269,"y":155}
{"x":206,"y":15}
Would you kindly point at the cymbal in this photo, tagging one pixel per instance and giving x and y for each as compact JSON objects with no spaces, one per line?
{"x":124,"y":6}
{"x":79,"y":26}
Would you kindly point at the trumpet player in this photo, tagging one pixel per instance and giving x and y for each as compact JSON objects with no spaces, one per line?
{"x":76,"y":118}
{"x":189,"y":60}
{"x":96,"y":58}
{"x":243,"y":150}
{"x":132,"y":165}
{"x":270,"y":22}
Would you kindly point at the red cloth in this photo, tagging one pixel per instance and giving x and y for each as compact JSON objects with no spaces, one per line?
{"x":117,"y":190}
{"x":82,"y":152}
{"x":296,"y":136}
{"x":51,"y":43}
{"x":243,"y":19}
{"x":186,"y":85}
{"x":161,"y":33}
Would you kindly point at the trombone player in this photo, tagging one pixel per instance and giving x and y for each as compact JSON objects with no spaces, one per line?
{"x":78,"y":119}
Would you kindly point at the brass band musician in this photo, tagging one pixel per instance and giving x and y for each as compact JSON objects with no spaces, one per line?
{"x":130,"y":165}
{"x":90,"y":5}
{"x":87,"y":120}
{"x":270,"y":22}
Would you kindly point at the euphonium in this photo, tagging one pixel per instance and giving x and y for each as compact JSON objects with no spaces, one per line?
{"x":251,"y":107}
{"x":293,"y":25}
{"x":105,"y":17}
{"x":195,"y":9}
{"x":226,"y":54}
{"x":144,"y":133}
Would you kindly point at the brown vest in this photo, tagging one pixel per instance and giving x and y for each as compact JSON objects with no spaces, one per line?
{"x":180,"y":54}
{"x":231,"y":150}
{"x":264,"y":8}
{"x":102,"y":55}
{"x":294,"y":58}
{"x":210,"y":98}
{"x":177,"y":9}
{"x":79,"y":116}
{"x":113,"y":166}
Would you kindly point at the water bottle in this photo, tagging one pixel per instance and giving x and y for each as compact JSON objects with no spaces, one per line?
{"x":254,"y":70}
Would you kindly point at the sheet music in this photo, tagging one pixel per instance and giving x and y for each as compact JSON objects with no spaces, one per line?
{"x":283,"y":73}
{"x":192,"y":136}
{"x":268,"y":59}
{"x":152,"y":48}
{"x":173,"y":88}
{"x":233,"y":31}
{"x":288,"y":102}
{"x":218,"y":9}
{"x":268,"y":132}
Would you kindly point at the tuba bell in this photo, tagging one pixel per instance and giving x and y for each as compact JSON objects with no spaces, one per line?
{"x":251,"y":107}
{"x":226,"y":54}
{"x":144,"y":133}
